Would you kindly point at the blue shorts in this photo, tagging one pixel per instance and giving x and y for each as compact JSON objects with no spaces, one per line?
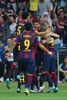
{"x":49,"y":63}
{"x":26,"y":66}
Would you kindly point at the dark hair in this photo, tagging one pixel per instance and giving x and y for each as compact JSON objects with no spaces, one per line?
{"x":25,"y":15}
{"x":35,"y":21}
{"x":9,"y":38}
{"x":62,"y":8}
{"x":28,"y":26}
{"x":61,"y":12}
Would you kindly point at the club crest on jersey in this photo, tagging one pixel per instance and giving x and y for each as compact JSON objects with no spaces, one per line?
{"x":39,"y":39}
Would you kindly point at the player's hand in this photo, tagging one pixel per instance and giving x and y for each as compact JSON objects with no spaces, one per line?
{"x":65,"y":73}
{"x":1,"y":44}
{"x":36,"y":31}
{"x":50,"y":53}
{"x":56,"y":4}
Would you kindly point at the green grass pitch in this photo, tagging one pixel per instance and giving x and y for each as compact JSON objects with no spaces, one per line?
{"x":11,"y":94}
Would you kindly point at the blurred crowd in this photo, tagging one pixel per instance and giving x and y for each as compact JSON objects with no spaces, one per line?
{"x":52,"y":11}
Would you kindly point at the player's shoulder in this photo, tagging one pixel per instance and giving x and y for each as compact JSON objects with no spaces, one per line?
{"x":34,"y":35}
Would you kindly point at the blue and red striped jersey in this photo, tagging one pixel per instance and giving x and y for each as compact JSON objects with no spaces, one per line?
{"x":28,"y":44}
{"x":20,"y":28}
{"x":49,"y":46}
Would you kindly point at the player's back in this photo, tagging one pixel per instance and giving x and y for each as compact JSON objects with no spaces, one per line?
{"x":28,"y":44}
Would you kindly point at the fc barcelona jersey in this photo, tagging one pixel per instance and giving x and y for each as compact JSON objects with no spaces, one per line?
{"x":28,"y":43}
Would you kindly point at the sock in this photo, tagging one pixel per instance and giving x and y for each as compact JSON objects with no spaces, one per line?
{"x":35,"y":81}
{"x":54,"y":77}
{"x":25,"y":78}
{"x":29,"y":81}
{"x":19,"y":84}
{"x":49,"y":79}
{"x":41,"y":79}
{"x":32,"y":85}
{"x":11,"y":70}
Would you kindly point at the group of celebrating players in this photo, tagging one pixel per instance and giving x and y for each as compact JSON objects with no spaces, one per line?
{"x":33,"y":47}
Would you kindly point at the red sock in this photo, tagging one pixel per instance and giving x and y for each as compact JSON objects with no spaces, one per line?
{"x":19,"y":84}
{"x":49,"y":79}
{"x":54,"y":77}
{"x":35,"y":81}
{"x":25,"y":78}
{"x":29,"y":81}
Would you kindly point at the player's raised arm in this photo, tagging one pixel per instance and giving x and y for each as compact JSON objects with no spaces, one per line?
{"x":55,"y":35}
{"x":44,"y":32}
